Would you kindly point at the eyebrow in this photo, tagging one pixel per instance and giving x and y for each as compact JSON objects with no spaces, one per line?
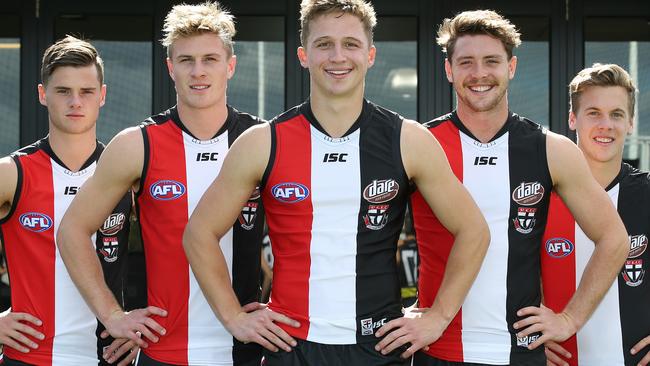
{"x":213,"y":54}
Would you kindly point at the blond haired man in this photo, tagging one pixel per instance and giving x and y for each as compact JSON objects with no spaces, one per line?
{"x":602,"y":101}
{"x":169,"y":161}
{"x":510,"y":166}
{"x":335,"y":174}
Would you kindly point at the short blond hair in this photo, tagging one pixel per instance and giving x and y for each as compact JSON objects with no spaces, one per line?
{"x":477,"y":22}
{"x":188,"y":20}
{"x":601,"y":75}
{"x":310,"y":9}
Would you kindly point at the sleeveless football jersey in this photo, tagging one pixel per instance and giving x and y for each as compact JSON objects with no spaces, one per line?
{"x":178,"y":168}
{"x":509,"y":179}
{"x":40,"y":283}
{"x":335,"y":208}
{"x":621,"y":319}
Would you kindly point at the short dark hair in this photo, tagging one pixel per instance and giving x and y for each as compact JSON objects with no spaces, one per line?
{"x":310,"y":9}
{"x":70,"y":51}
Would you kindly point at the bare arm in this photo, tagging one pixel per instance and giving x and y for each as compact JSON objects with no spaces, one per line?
{"x":118,"y":170}
{"x":8,"y":184}
{"x":584,"y":197}
{"x":214,"y":215}
{"x":427,"y":166}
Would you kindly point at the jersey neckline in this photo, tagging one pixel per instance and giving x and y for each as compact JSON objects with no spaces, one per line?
{"x":505,"y":128}
{"x":44,"y":144}
{"x":305,"y":110}
{"x":175,"y":117}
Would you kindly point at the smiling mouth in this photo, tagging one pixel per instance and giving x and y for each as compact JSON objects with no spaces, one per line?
{"x":338,"y":72}
{"x":604,"y":140}
{"x":199,"y":87}
{"x":481,"y":88}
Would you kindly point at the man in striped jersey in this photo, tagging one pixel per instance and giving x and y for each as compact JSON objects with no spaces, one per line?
{"x":335,"y":174}
{"x":602,"y":101}
{"x":49,"y":323}
{"x":169,"y":161}
{"x":510,"y":165}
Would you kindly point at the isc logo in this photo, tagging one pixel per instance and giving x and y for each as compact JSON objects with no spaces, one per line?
{"x":335,"y":157}
{"x":70,"y":190}
{"x":206,"y":156}
{"x":36,"y":222}
{"x":166,"y":190}
{"x":559,"y":247}
{"x":485,"y":160}
{"x":290,"y":192}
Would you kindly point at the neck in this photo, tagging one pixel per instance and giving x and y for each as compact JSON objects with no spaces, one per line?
{"x":73,"y":149}
{"x":604,"y":172}
{"x":336,"y":115}
{"x":483,"y":125}
{"x":203,"y":123}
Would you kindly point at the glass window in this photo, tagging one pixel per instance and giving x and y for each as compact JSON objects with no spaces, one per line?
{"x":10,"y":84}
{"x":127,"y":53}
{"x":258,"y":84}
{"x":392,"y":81}
{"x":626,"y":42}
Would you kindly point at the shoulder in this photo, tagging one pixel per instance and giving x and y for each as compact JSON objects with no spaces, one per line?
{"x":245,"y":119}
{"x":438,"y":121}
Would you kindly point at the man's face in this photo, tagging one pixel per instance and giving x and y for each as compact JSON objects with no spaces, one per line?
{"x":602,"y":121}
{"x":338,"y":54}
{"x":73,"y":96}
{"x":480,"y":72}
{"x":200,"y":68}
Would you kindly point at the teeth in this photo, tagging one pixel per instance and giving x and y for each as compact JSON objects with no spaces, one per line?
{"x":338,"y":72}
{"x":481,"y":88}
{"x":200,"y":87}
{"x":604,"y":139}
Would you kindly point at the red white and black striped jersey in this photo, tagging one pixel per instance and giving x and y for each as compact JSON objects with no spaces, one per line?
{"x":509,"y":179}
{"x":622,"y":318}
{"x":335,"y":208}
{"x":178,"y":168}
{"x":40,"y":283}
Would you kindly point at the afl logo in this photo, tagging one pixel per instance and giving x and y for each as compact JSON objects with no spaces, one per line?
{"x":559,"y":247}
{"x":36,"y":222}
{"x":166,"y":190}
{"x":380,"y":191}
{"x":290,"y":192}
{"x":638,"y":245}
{"x":528,"y":194}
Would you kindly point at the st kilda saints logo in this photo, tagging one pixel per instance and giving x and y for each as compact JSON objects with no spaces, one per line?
{"x":633,"y":272}
{"x":525,"y":221}
{"x":249,"y":211}
{"x":376,"y":193}
{"x":110,"y":248}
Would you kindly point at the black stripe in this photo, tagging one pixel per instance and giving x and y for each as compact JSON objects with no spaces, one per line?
{"x":145,"y":160}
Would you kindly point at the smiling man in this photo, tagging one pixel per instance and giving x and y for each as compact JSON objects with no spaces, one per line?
{"x":335,"y":174}
{"x":169,"y":161}
{"x":49,"y":323}
{"x":510,"y":165}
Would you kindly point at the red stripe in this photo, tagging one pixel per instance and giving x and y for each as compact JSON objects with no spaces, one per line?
{"x":163,"y":222}
{"x":290,"y":224}
{"x":559,"y":274}
{"x":434,"y":245}
{"x":31,"y":257}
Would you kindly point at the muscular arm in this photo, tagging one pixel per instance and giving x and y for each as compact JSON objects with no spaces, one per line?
{"x":214,"y":215}
{"x":426,"y":164}
{"x":119,"y":168}
{"x":8,"y":184}
{"x":596,"y":215}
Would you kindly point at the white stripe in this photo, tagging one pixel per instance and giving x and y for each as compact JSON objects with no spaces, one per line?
{"x":208,"y":341}
{"x":485,"y":330}
{"x":600,"y":339}
{"x":75,"y":342}
{"x":335,"y":195}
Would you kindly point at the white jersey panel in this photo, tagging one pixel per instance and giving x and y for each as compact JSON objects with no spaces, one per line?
{"x":599,"y":340}
{"x":208,"y":340}
{"x":75,"y":342}
{"x":489,"y":185}
{"x":335,"y":199}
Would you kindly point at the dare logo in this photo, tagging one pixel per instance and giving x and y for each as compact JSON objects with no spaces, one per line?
{"x":528,"y":193}
{"x":559,"y":247}
{"x":290,"y":192}
{"x":166,"y":190}
{"x":35,"y":221}
{"x":638,"y":245}
{"x":113,"y":224}
{"x":380,"y":191}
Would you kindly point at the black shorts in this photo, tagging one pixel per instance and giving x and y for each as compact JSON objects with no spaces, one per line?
{"x":144,"y":360}
{"x":422,"y":359}
{"x":316,"y":354}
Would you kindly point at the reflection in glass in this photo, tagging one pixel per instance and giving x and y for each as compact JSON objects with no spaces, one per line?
{"x":10,"y":95}
{"x":392,"y":81}
{"x":258,"y":84}
{"x":128,"y":79}
{"x":528,"y":94}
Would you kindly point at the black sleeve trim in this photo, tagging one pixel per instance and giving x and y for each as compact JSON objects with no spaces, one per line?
{"x":19,"y":188}
{"x":145,"y":162}
{"x":269,"y":165}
